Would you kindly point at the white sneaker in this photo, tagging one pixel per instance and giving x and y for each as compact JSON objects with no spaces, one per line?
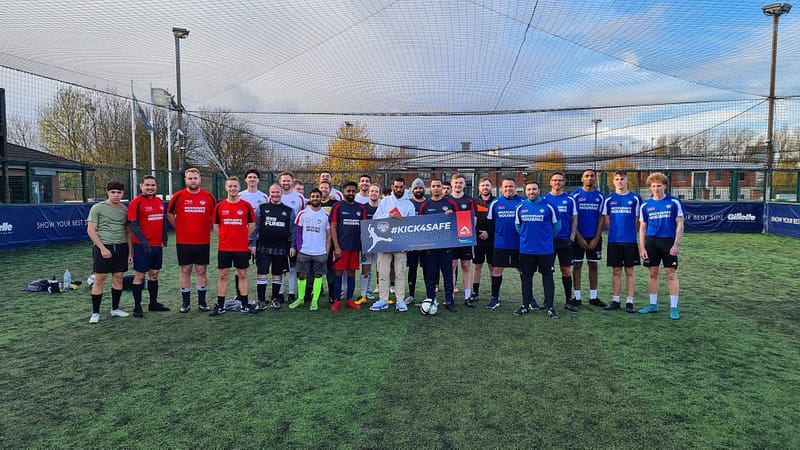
{"x":95,"y":318}
{"x":118,"y":313}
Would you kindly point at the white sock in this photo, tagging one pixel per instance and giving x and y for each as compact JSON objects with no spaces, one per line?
{"x":364,"y":284}
{"x":577,"y":294}
{"x":654,"y":299}
{"x":615,"y":299}
{"x":629,"y":300}
{"x":673,"y":301}
{"x":467,"y":293}
{"x":593,"y":293}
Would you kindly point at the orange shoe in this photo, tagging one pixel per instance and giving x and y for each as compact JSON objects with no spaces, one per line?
{"x":352,"y":305}
{"x":361,"y":301}
{"x":391,"y":302}
{"x":335,"y":306}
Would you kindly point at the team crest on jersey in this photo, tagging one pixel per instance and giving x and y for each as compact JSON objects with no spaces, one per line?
{"x":445,"y":208}
{"x":541,"y":210}
{"x":240,"y":212}
{"x":283,"y":213}
{"x":203,"y":202}
{"x":630,"y":202}
{"x":669,"y":206}
{"x":464,"y":206}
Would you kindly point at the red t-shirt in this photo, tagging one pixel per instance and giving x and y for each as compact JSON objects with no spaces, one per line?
{"x":232,"y":219}
{"x":149,"y":213}
{"x":193,"y":216}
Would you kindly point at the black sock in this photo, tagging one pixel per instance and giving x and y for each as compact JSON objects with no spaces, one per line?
{"x":475,"y":288}
{"x":136,"y":289}
{"x":261,"y":289}
{"x":116,"y":295}
{"x":276,"y":289}
{"x":201,"y":295}
{"x":186,"y":295}
{"x":96,"y":300}
{"x":236,"y":284}
{"x":221,"y":301}
{"x":496,"y":282}
{"x":244,"y":300}
{"x":567,"y":282}
{"x":152,"y":289}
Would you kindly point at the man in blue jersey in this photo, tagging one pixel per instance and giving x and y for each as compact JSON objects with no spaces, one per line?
{"x":346,"y":217}
{"x":506,"y":238}
{"x":537,"y":222}
{"x":660,"y":233}
{"x":440,"y":259}
{"x":621,"y":211}
{"x":568,"y":218}
{"x":589,"y":236}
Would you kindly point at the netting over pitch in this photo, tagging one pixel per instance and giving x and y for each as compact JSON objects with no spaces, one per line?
{"x":518,"y":78}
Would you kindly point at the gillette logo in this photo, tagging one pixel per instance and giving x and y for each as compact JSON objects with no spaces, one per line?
{"x":742,"y":217}
{"x":6,"y":227}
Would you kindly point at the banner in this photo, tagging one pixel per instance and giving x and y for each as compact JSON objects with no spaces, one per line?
{"x":418,"y":232}
{"x":31,"y":225}
{"x":783,"y":220}
{"x":723,"y":217}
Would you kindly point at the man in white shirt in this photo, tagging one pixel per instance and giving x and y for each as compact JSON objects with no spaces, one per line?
{"x":394,"y":206}
{"x":313,"y":242}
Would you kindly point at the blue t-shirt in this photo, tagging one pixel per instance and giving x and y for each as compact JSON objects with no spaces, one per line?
{"x":565,"y":209}
{"x":589,"y":205}
{"x":370,"y":210}
{"x":502,"y":211}
{"x":348,"y":224}
{"x":622,"y":212}
{"x":534,"y":222}
{"x":660,"y":215}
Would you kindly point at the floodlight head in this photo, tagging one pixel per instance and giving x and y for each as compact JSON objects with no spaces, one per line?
{"x":776,"y":9}
{"x":596,"y":121}
{"x":180,"y":33}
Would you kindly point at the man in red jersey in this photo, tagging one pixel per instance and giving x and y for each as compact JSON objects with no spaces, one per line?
{"x":146,"y":222}
{"x":234,"y":222}
{"x":190,"y":212}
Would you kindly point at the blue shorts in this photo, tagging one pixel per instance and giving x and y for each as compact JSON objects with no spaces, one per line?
{"x":143,"y":261}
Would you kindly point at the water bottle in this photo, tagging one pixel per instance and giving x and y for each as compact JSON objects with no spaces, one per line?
{"x":67,"y":281}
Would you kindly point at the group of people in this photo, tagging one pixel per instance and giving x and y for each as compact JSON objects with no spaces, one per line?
{"x":294,"y":238}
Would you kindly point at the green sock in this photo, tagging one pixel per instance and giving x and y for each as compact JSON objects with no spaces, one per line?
{"x":301,"y":294}
{"x":316,"y":293}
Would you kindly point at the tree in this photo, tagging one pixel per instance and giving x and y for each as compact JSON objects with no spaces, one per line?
{"x":23,"y":132}
{"x":551,"y":162}
{"x":65,"y":125}
{"x":621,"y":163}
{"x":352,"y":152}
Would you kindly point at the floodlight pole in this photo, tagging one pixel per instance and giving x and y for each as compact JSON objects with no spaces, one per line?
{"x":595,"y":122}
{"x":774,"y":10}
{"x":180,"y":33}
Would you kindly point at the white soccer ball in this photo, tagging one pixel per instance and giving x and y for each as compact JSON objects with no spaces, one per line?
{"x":429,"y":307}
{"x":90,"y":280}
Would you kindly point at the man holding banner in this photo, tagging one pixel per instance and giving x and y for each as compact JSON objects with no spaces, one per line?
{"x":440,"y":259}
{"x":394,"y":206}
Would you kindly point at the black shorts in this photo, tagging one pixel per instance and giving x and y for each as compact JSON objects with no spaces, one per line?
{"x":116,"y":264}
{"x":463,"y":253}
{"x":198,"y":254}
{"x":279,"y":263}
{"x":239,"y":260}
{"x":483,"y":253}
{"x":144,"y":262}
{"x":622,"y":254}
{"x":658,"y":251}
{"x":595,"y":255}
{"x":529,"y":264}
{"x":563,"y":249}
{"x":505,"y":258}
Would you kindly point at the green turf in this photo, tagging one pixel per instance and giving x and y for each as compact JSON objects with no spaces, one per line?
{"x":724,"y":376}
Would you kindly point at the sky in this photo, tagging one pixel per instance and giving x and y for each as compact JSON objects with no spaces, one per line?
{"x":324,"y":61}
